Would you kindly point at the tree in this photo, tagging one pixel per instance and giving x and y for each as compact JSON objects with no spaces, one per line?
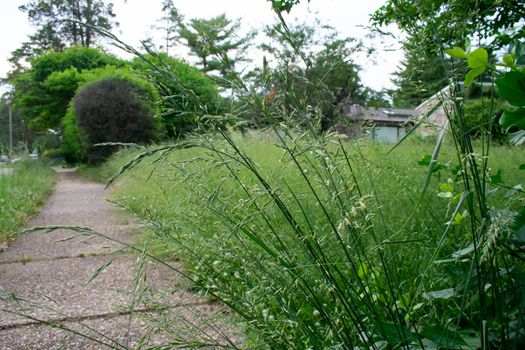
{"x":216,"y":43}
{"x":171,"y":25}
{"x":62,"y":23}
{"x":373,"y":98}
{"x":314,"y":70}
{"x":187,"y":93}
{"x":494,"y":22}
{"x":39,"y":43}
{"x":43,"y":92}
{"x":452,"y":21}
{"x":418,"y":78}
{"x":284,"y":5}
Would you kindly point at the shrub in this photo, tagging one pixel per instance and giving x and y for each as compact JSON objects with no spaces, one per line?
{"x":482,"y":115}
{"x":187,"y":94}
{"x":43,"y":92}
{"x":112,"y":109}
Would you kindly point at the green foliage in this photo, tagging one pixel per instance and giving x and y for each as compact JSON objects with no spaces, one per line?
{"x":373,"y":98}
{"x":42,"y":94}
{"x":259,"y":232}
{"x":284,"y":5}
{"x":477,"y":61}
{"x":75,"y":141}
{"x":314,"y":71}
{"x":188,"y":95}
{"x":318,"y":243}
{"x":81,"y":58}
{"x":62,"y":23}
{"x":496,"y":22}
{"x":217,"y":44}
{"x":112,"y":107}
{"x":482,"y":116}
{"x":512,"y":88}
{"x":22,"y":193}
{"x":511,"y":84}
{"x":419,"y":78}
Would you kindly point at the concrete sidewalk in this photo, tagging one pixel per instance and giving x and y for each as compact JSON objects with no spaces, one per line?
{"x":46,"y":279}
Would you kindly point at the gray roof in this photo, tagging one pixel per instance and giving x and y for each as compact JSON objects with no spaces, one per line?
{"x":382,"y":115}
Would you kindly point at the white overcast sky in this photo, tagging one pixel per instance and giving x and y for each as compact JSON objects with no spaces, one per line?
{"x":137,"y":16}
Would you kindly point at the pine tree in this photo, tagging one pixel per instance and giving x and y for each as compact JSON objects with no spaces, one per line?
{"x":216,"y":43}
{"x":62,"y":23}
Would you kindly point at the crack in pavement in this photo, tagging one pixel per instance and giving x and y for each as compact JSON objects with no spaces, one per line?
{"x":56,"y":322}
{"x":27,"y":260}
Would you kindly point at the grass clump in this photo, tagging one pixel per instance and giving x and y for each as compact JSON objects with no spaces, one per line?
{"x":318,"y":242}
{"x":22,"y":193}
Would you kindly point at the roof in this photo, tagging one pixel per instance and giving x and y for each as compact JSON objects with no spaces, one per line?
{"x":381,"y":115}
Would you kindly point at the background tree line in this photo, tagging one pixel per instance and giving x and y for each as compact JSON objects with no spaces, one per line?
{"x":66,"y":52}
{"x":302,"y":62}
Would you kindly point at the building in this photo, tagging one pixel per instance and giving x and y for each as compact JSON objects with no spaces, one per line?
{"x":387,"y":125}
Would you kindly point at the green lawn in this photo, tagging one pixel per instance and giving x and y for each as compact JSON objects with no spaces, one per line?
{"x":22,"y":193}
{"x":303,"y":238}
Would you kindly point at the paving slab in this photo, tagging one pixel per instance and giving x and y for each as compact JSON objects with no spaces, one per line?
{"x":90,"y":284}
{"x":66,"y":243}
{"x":128,"y":331}
{"x":61,"y":288}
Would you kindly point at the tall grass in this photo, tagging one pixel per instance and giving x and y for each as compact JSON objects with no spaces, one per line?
{"x":22,"y":193}
{"x":317,"y":243}
{"x":314,"y":245}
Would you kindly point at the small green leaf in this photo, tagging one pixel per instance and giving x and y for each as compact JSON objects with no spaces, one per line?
{"x":425,"y":161}
{"x":511,"y":87}
{"x":478,"y":58}
{"x":498,"y":178}
{"x":508,"y":60}
{"x":363,"y":271}
{"x":511,"y":119}
{"x":456,"y":198}
{"x":464,"y":252}
{"x":471,"y":338}
{"x":447,"y":186}
{"x":99,"y":270}
{"x":445,"y":194}
{"x":444,"y":338}
{"x":473,"y":74}
{"x":458,"y":219}
{"x":456,"y":52}
{"x":468,"y":45}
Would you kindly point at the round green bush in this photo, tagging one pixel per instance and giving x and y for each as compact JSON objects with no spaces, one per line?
{"x":115,"y":108}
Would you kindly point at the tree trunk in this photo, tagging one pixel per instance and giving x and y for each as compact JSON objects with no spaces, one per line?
{"x":77,"y":13}
{"x":89,"y":22}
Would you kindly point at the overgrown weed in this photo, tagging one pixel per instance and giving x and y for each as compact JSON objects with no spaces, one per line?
{"x":259,"y":223}
{"x":22,"y":193}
